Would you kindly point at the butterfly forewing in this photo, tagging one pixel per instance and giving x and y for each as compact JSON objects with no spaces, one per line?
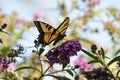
{"x":63,"y":26}
{"x":38,"y":25}
{"x":61,"y":30}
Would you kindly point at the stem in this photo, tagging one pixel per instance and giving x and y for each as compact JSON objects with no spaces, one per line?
{"x":103,"y":63}
{"x":58,"y":71}
{"x":117,"y":74}
{"x":5,"y":73}
{"x":46,"y":70}
{"x":43,"y":74}
{"x":109,"y":70}
{"x":40,"y":65}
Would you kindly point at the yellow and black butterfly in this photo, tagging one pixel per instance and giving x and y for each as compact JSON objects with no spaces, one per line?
{"x":49,"y":34}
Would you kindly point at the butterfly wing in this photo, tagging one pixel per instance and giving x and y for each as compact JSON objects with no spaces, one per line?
{"x":61,"y":30}
{"x":46,"y":32}
{"x":63,"y":26}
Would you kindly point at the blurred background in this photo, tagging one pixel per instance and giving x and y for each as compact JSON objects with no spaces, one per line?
{"x":91,"y":22}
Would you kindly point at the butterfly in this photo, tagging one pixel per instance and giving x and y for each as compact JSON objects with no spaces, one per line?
{"x":50,"y":34}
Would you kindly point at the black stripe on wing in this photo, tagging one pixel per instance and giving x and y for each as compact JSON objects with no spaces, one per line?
{"x":63,"y":26}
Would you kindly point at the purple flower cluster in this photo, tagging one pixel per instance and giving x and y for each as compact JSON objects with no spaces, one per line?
{"x":97,"y":74}
{"x":3,"y":63}
{"x":62,"y":53}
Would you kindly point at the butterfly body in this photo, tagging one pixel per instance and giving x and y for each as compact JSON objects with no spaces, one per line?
{"x":49,"y":34}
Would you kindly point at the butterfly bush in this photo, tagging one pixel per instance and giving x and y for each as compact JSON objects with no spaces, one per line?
{"x":63,"y":52}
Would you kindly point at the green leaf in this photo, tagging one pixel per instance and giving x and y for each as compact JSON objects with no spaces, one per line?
{"x":27,"y":68}
{"x":107,"y":57}
{"x":64,"y":65}
{"x":117,"y":58}
{"x":89,"y":54}
{"x":117,"y":73}
{"x":117,"y":52}
{"x":70,"y":72}
{"x":60,"y":77}
{"x":95,"y":61}
{"x":102,"y":53}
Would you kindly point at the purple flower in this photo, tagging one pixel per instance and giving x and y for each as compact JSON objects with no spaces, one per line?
{"x":52,"y":56}
{"x":3,"y":63}
{"x":62,"y":53}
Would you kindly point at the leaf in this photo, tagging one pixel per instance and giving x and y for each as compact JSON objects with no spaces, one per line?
{"x":117,"y":52}
{"x":107,"y":57}
{"x":27,"y":68}
{"x":60,"y":77}
{"x":95,"y":61}
{"x":64,"y":65}
{"x":89,"y":54}
{"x":70,"y":72}
{"x":117,"y":75}
{"x":117,"y":58}
{"x":102,"y":53}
